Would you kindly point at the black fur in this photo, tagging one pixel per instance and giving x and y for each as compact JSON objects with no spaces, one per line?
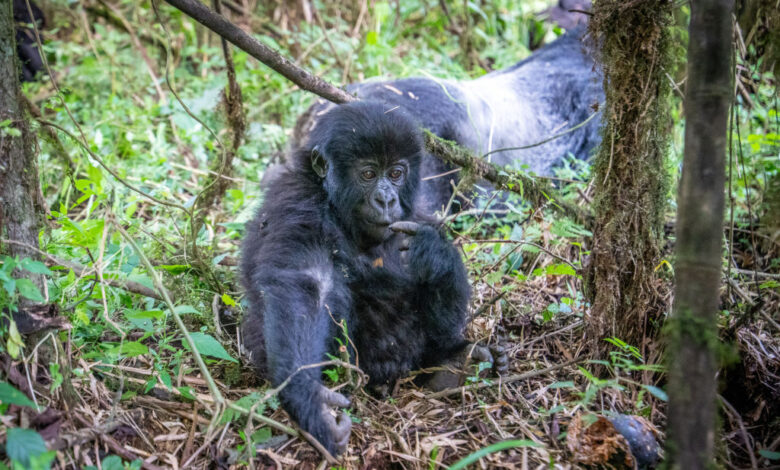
{"x":26,"y":45}
{"x":308,"y":264}
{"x":556,"y":88}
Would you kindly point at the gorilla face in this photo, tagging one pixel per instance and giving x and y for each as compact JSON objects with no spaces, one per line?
{"x":380,"y":205}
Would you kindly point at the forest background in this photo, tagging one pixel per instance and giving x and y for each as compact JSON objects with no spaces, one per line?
{"x":151,"y":153}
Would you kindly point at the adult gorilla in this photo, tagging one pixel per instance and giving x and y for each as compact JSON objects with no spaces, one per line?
{"x":339,"y":238}
{"x":556,"y":88}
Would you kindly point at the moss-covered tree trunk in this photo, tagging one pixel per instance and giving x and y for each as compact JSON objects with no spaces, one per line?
{"x":629,"y":174}
{"x":692,"y":365}
{"x":19,"y":219}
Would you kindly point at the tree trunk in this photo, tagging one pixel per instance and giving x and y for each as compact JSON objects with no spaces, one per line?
{"x":19,"y":219}
{"x":693,"y":331}
{"x":629,"y":175}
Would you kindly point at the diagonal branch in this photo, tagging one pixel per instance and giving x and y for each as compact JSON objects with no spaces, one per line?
{"x":223,"y":27}
{"x":538,"y":191}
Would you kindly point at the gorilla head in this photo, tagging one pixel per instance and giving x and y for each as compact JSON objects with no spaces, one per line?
{"x":370,"y":163}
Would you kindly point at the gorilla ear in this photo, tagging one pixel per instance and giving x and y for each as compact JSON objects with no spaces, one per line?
{"x":318,"y":163}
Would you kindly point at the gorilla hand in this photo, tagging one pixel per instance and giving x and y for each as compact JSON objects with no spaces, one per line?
{"x":337,"y":423}
{"x":457,"y":369}
{"x":410,"y":229}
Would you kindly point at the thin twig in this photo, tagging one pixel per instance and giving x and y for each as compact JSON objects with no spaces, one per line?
{"x":111,"y":170}
{"x":542,"y":142}
{"x":537,"y":191}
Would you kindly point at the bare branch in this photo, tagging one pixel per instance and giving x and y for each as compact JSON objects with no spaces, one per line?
{"x":217,"y":23}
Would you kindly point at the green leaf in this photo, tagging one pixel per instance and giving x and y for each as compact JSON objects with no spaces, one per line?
{"x":176,"y":268}
{"x":332,"y":374}
{"x":656,"y":392}
{"x":56,"y":376}
{"x":261,"y":435}
{"x":29,"y":290}
{"x":112,"y":462}
{"x":35,"y":267}
{"x":208,"y":346}
{"x":768,"y":454}
{"x":166,"y":380}
{"x":184,"y":309}
{"x":228,"y":300}
{"x":143,"y":318}
{"x":14,"y":344}
{"x":10,"y":395}
{"x":24,"y":444}
{"x":567,"y":384}
{"x":145,"y":314}
{"x":560,"y":269}
{"x":497,"y":447}
{"x":130,"y":349}
{"x":187,"y":392}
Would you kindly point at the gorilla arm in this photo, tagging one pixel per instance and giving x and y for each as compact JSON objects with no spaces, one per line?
{"x":443,"y":297}
{"x":443,"y":287}
{"x":297,"y":328}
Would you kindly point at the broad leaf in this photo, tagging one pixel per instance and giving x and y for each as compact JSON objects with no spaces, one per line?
{"x":24,"y":444}
{"x":29,"y":290}
{"x":10,"y":395}
{"x":208,"y":346}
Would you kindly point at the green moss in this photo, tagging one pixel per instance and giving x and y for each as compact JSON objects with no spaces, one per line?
{"x":630,"y":178}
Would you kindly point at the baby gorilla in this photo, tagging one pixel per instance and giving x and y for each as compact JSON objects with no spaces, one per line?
{"x":339,"y":238}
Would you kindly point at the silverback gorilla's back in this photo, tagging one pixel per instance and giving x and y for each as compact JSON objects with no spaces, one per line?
{"x":556,"y":88}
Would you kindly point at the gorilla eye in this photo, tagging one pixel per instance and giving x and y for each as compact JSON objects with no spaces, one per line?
{"x":396,"y":174}
{"x":368,"y":174}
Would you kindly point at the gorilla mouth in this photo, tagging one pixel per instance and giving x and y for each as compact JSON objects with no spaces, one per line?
{"x":378,"y":226}
{"x":377,"y":230}
{"x":380,"y":219}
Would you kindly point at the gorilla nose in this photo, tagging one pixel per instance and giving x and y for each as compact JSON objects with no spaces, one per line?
{"x":384,"y":202}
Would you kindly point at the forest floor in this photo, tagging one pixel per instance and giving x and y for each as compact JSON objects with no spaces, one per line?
{"x":546,"y":406}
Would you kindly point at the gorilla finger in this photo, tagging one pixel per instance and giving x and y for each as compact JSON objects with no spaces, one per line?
{"x":332,"y":398}
{"x":409,"y":228}
{"x":444,"y":379}
{"x":405,"y":244}
{"x":481,"y":354}
{"x":341,"y":430}
{"x":338,"y":428}
{"x":502,"y":365}
{"x":343,"y":423}
{"x":500,"y":359}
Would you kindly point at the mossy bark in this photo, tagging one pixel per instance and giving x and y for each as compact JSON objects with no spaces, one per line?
{"x":629,"y":174}
{"x":693,"y":331}
{"x":19,"y":217}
